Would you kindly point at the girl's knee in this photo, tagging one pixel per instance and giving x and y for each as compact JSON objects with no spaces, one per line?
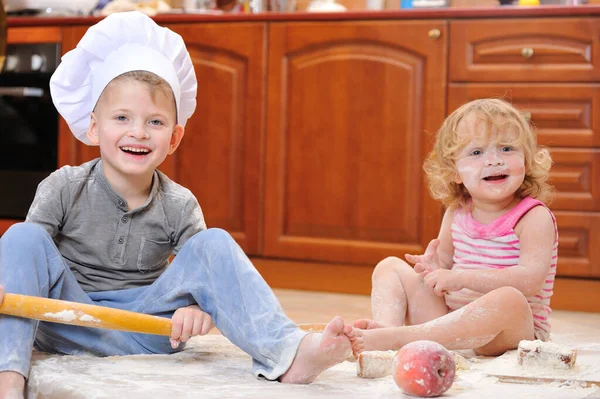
{"x":512,"y":297}
{"x":390,"y":266}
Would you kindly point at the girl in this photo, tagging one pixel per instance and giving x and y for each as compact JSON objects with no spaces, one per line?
{"x":485,"y":283}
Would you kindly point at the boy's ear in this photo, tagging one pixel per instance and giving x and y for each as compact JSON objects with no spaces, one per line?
{"x":176,"y":137}
{"x":92,"y":132}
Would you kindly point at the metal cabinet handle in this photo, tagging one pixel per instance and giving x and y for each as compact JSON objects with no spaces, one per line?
{"x":21,"y":91}
{"x":434,"y":34}
{"x":527,"y":52}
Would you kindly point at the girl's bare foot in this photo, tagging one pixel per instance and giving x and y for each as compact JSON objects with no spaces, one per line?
{"x":355,"y":335}
{"x":367,"y":324}
{"x":12,"y":385}
{"x":318,"y":352}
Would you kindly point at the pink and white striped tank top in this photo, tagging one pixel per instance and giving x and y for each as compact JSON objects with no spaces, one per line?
{"x":496,"y":246}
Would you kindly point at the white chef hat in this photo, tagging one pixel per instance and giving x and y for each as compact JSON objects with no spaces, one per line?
{"x":122,"y":42}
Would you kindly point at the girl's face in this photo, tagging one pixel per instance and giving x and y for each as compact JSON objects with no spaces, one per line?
{"x":490,"y":169}
{"x":135,"y":131}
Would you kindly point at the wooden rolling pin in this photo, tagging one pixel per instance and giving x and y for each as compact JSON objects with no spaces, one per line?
{"x":79,"y":314}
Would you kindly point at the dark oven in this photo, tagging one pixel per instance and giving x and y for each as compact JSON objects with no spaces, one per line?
{"x":28,"y":125}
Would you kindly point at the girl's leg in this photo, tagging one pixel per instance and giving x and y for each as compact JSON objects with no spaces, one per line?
{"x":492,"y":324}
{"x":399,"y":297}
{"x":211,"y":270}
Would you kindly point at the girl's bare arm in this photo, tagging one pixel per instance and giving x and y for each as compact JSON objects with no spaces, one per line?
{"x":537,"y":234}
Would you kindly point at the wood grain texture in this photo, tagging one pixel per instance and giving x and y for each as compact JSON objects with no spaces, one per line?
{"x":220,"y":157}
{"x":32,"y":35}
{"x":352,"y":109}
{"x":532,"y":50}
{"x":493,"y":12}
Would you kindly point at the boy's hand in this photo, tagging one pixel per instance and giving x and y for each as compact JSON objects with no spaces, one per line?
{"x":441,"y":281}
{"x":429,"y":261}
{"x":1,"y":294}
{"x":189,"y":322}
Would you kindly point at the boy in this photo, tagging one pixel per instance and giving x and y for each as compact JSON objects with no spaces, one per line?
{"x":102,"y":232}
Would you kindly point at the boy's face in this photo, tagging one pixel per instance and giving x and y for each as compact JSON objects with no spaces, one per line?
{"x":135,"y":131}
{"x":490,"y":168}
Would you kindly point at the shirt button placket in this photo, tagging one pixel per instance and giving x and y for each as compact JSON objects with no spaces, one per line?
{"x":123,"y":233}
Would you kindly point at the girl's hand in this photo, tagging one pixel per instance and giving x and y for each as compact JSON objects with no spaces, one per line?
{"x":189,"y":322}
{"x":1,"y":294}
{"x":429,"y":261}
{"x":441,"y":281}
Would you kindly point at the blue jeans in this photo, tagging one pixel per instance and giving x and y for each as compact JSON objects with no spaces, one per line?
{"x":211,"y":270}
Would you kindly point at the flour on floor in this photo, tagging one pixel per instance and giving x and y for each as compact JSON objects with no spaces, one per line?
{"x":212,"y":367}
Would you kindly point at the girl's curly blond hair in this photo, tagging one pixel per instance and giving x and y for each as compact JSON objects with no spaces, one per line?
{"x":498,"y":118}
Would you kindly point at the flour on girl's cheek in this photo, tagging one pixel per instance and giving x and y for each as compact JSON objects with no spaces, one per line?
{"x":468,"y":174}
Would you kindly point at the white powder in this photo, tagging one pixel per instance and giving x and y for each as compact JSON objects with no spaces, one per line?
{"x":211,"y":367}
{"x":87,"y":317}
{"x":65,"y":315}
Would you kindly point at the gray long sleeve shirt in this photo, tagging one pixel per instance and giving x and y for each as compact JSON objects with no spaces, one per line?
{"x":107,"y":246}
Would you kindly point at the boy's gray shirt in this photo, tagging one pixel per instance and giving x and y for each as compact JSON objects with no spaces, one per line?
{"x":107,"y":246}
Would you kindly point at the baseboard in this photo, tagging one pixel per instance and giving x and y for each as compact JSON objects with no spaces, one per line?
{"x":569,"y":293}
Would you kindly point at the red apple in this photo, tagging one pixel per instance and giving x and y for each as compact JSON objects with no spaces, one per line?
{"x":423,"y":368}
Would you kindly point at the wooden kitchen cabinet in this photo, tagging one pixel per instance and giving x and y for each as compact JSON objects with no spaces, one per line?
{"x":219,"y":159}
{"x":352,"y":108}
{"x":220,"y":156}
{"x":309,"y":137}
{"x":564,"y":111}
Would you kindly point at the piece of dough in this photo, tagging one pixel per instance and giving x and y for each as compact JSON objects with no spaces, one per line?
{"x":545,"y":354}
{"x":374,"y":364}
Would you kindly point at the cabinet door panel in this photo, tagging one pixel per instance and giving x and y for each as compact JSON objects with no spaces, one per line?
{"x":350,"y":109}
{"x":219,"y":158}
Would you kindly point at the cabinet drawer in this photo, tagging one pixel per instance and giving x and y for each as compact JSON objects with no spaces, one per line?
{"x":575,"y":175}
{"x":578,"y":249}
{"x":565,"y":115}
{"x":522,"y":50}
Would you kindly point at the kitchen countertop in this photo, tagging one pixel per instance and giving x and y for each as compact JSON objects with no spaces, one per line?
{"x":430,"y":13}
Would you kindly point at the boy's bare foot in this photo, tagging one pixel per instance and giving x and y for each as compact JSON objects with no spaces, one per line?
{"x":367,"y":324}
{"x":12,"y":385}
{"x":318,"y":352}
